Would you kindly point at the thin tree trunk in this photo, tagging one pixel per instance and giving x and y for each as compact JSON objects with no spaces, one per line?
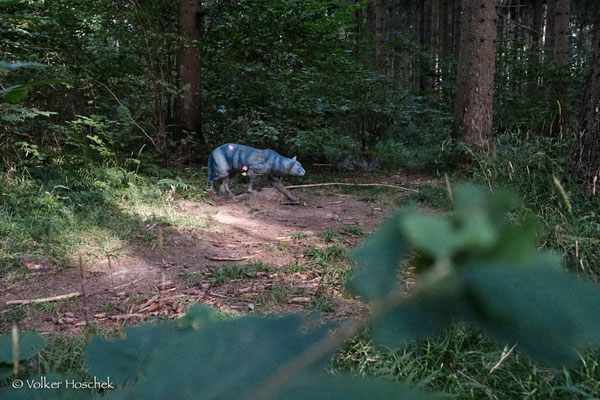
{"x":381,"y":36}
{"x":370,"y":27}
{"x":587,"y":157}
{"x":445,"y":33}
{"x":435,"y":51}
{"x":188,"y":107}
{"x":456,"y":24}
{"x":550,"y":24}
{"x":473,"y":105}
{"x":538,"y":22}
{"x":561,"y":32}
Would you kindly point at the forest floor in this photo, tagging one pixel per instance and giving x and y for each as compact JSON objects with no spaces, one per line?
{"x":251,"y":253}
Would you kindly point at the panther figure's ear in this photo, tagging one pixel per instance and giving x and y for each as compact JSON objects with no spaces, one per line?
{"x":293,"y":163}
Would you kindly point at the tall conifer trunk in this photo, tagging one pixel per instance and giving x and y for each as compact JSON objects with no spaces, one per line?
{"x":587,"y":155}
{"x":473,"y":105}
{"x":188,"y":106}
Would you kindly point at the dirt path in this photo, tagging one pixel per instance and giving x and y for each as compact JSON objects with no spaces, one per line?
{"x":254,"y":255}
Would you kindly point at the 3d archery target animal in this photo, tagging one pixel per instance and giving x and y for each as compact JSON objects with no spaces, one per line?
{"x":230,"y":158}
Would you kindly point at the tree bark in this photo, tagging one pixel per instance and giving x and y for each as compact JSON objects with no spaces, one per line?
{"x":561,"y":32}
{"x":435,"y":51}
{"x":550,"y":12}
{"x":188,"y":106}
{"x":445,"y":33}
{"x":457,"y":15}
{"x":587,"y":156}
{"x":538,"y":22}
{"x":473,"y":105}
{"x":382,"y":17}
{"x":370,"y":30}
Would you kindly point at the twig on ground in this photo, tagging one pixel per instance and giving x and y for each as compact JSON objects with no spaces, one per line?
{"x":227,"y":258}
{"x":128,"y":283}
{"x":45,"y":299}
{"x":351,"y":184}
{"x":121,"y":317}
{"x":503,"y":358}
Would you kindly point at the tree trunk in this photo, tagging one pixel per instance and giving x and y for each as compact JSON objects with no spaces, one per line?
{"x":561,"y":32}
{"x":473,"y":105}
{"x":587,"y":156}
{"x":370,"y":28}
{"x":435,"y":51}
{"x":550,"y":12}
{"x":445,"y":33}
{"x":457,"y":15}
{"x":382,"y":17}
{"x":188,"y":106}
{"x":538,"y":22}
{"x":358,"y":30}
{"x":560,"y":42}
{"x":420,"y":39}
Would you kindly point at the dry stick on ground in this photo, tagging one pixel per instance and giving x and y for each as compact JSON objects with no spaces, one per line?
{"x":88,"y":334}
{"x":351,"y":184}
{"x":110,"y":271}
{"x":503,"y":358}
{"x":45,"y":299}
{"x":15,"y":343}
{"x":129,"y":283}
{"x":227,"y":259}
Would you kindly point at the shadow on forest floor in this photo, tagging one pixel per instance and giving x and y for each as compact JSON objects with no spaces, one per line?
{"x":253,"y":254}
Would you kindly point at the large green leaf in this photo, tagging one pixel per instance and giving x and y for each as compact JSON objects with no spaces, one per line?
{"x":377,"y":261}
{"x":233,"y":359}
{"x":432,"y":234}
{"x":124,"y":359}
{"x":225,"y":359}
{"x":6,"y":370}
{"x":16,"y":93}
{"x":30,"y":343}
{"x":548,"y":312}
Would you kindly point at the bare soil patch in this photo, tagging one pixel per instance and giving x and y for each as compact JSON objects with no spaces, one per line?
{"x":255,"y":255}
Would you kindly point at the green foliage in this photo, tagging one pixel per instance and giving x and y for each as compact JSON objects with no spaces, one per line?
{"x":459,"y":361}
{"x":529,"y":86}
{"x":529,"y":166}
{"x":476,"y":267}
{"x":30,"y":344}
{"x":261,"y":346}
{"x":55,"y":210}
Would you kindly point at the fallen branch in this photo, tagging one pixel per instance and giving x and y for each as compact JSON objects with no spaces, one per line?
{"x":227,"y":259}
{"x":351,"y":184}
{"x":217,"y":295}
{"x":128,"y":283}
{"x":45,"y":299}
{"x":503,"y":358}
{"x":323,"y":165}
{"x":123,"y":317}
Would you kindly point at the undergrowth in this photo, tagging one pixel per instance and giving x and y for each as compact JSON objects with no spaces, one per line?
{"x":538,"y":168}
{"x":54,"y":212}
{"x":465,"y":362}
